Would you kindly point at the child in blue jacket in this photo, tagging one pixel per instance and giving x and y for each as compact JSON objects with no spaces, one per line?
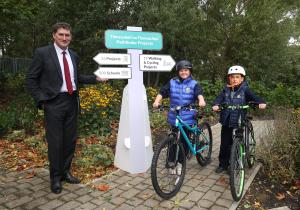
{"x":182,"y":90}
{"x":235,"y":93}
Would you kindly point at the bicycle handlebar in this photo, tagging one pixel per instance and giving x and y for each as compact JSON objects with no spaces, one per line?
{"x":190,"y":107}
{"x":252,"y":105}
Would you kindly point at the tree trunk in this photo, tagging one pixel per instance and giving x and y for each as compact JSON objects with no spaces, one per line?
{"x":148,"y":79}
{"x":157,"y":79}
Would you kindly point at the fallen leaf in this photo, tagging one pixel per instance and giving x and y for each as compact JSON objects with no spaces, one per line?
{"x":257,"y":204}
{"x":223,"y":181}
{"x":146,"y":195}
{"x":268,"y":190}
{"x":280,"y":196}
{"x":177,"y":202}
{"x":289,"y":193}
{"x":247,"y":206}
{"x":40,"y":164}
{"x":296,"y":184}
{"x":102,"y":187}
{"x":30,"y":175}
{"x":98,"y":173}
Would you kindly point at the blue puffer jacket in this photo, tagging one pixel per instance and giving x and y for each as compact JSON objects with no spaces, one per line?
{"x":182,"y":93}
{"x":229,"y":117}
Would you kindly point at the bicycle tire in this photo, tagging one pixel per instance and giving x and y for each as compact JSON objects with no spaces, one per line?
{"x":204,"y":139}
{"x":250,"y":144}
{"x":237,"y":170}
{"x":160,"y":171}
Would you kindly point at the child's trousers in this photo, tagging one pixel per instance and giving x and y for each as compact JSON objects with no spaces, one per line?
{"x":172,"y":149}
{"x":225,"y":147}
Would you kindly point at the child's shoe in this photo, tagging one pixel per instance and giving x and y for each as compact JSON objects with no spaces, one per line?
{"x":172,"y":171}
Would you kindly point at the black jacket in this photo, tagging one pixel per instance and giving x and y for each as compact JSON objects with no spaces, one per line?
{"x":44,"y":77}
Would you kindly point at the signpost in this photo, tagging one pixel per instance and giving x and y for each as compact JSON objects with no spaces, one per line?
{"x":120,"y":39}
{"x":134,"y":146}
{"x":112,"y":59}
{"x":113,"y":73}
{"x":156,"y":62}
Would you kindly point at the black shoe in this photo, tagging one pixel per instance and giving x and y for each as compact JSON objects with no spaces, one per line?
{"x":56,"y":187}
{"x":220,"y":169}
{"x":70,"y":179}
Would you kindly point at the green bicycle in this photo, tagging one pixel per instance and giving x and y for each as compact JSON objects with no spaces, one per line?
{"x":169,"y":159}
{"x":242,"y":150}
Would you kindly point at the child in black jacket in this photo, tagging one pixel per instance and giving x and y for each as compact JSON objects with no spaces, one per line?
{"x":235,"y":93}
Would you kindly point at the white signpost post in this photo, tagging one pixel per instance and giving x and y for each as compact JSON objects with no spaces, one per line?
{"x":134,"y":145}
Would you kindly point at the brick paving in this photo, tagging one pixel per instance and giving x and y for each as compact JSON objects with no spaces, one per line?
{"x":202,"y":188}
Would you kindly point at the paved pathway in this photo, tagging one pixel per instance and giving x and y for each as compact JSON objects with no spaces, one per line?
{"x":202,"y":188}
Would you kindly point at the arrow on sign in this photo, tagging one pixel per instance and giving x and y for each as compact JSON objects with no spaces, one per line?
{"x":156,"y":62}
{"x":113,"y":73}
{"x":112,"y":59}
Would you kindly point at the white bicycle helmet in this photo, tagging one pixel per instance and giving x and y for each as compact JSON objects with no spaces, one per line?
{"x":236,"y":70}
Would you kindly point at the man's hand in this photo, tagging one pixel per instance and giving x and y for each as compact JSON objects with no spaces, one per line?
{"x":156,"y":104}
{"x":101,"y":79}
{"x":157,"y":100}
{"x":202,"y":103}
{"x":215,"y":108}
{"x":262,"y":106}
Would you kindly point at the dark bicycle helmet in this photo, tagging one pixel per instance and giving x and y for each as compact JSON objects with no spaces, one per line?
{"x":184,"y":64}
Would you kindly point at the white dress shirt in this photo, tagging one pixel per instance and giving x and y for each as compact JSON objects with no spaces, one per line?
{"x":59,"y":52}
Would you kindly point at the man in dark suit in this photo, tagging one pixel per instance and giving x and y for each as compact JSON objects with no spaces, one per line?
{"x":52,"y":80}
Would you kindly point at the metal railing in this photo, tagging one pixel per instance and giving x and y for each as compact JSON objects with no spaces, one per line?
{"x":10,"y":65}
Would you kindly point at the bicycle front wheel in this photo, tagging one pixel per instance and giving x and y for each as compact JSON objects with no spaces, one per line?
{"x":237,"y":170}
{"x":168,"y":168}
{"x":250,"y":144}
{"x":204,"y":144}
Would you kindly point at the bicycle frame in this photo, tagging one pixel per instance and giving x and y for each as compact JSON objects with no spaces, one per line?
{"x":180,"y":124}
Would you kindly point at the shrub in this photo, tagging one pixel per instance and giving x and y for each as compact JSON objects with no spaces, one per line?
{"x":280,"y":151}
{"x":20,"y":113}
{"x":100,"y":105}
{"x":211,"y":90}
{"x":12,"y":84}
{"x":95,"y":155}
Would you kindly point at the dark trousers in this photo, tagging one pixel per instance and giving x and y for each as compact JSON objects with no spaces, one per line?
{"x":61,"y":133}
{"x":225,"y":147}
{"x":172,"y":149}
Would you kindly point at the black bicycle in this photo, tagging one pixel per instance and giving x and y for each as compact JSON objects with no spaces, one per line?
{"x":169,"y":159}
{"x":242,"y":149}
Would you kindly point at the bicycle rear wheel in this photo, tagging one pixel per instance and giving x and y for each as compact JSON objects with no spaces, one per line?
{"x":204,"y":141}
{"x":165,"y":175}
{"x":250,"y":144}
{"x":237,"y":170}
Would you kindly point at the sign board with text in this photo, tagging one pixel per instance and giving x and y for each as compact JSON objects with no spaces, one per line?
{"x":113,"y":73}
{"x":120,"y":39}
{"x":112,"y":59}
{"x":156,"y":62}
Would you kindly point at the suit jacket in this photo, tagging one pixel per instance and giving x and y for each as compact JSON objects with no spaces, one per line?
{"x":44,"y":77}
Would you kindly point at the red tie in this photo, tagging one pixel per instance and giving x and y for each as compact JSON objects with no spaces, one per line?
{"x":67,"y":74}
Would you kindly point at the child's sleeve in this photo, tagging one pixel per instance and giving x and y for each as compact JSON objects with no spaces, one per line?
{"x":165,"y":90}
{"x":251,"y":97}
{"x":220,"y":98}
{"x":198,"y":90}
